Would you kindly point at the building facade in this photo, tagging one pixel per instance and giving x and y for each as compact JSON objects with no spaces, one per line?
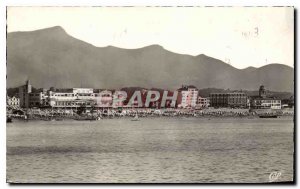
{"x":263,"y":102}
{"x":230,"y":100}
{"x":187,"y":96}
{"x":79,"y":97}
{"x":38,"y":98}
{"x":12,"y":102}
{"x":266,"y":103}
{"x":24,"y":92}
{"x":202,"y":102}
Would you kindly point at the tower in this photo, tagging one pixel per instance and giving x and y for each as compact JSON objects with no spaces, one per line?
{"x":262,"y":92}
{"x":24,"y":94}
{"x":28,"y":86}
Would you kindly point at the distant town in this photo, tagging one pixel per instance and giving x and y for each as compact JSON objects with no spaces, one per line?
{"x":91,"y":104}
{"x":185,"y":97}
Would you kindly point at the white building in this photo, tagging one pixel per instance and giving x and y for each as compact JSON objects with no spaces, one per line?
{"x":77,"y":97}
{"x":266,"y":103}
{"x":202,"y":102}
{"x":188,"y":96}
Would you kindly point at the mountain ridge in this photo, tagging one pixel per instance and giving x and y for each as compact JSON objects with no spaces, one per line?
{"x":53,"y":57}
{"x":62,"y":30}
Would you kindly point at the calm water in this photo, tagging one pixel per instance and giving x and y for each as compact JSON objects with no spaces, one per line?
{"x":150,"y":150}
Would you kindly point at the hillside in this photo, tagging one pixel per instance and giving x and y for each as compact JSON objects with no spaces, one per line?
{"x":51,"y":57}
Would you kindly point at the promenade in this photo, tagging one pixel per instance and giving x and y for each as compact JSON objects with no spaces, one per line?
{"x":58,"y":114}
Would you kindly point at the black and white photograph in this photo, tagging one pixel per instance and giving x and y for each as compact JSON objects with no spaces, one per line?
{"x":150,"y":94}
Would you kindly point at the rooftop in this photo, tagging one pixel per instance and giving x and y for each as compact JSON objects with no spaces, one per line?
{"x":266,"y":98}
{"x":186,"y":87}
{"x":228,"y":93}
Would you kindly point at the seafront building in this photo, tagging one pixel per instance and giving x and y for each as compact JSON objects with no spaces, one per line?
{"x":187,"y":96}
{"x":102,"y":98}
{"x":266,"y":103}
{"x":83,"y":97}
{"x":262,"y":101}
{"x":68,"y":98}
{"x":13,"y":102}
{"x":229,"y":100}
{"x":61,"y":98}
{"x":38,"y":98}
{"x":24,"y":92}
{"x":202,"y":102}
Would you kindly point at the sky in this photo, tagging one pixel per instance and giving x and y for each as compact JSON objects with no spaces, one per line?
{"x":239,"y":36}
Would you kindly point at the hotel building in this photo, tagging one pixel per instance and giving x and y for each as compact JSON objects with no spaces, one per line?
{"x":232,"y":100}
{"x":187,"y":96}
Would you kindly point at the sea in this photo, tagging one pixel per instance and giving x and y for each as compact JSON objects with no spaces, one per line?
{"x":152,"y":150}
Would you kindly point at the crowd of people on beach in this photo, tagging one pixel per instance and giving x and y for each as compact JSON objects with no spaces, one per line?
{"x":59,"y":114}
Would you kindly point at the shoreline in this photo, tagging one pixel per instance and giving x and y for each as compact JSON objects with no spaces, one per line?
{"x":58,"y":119}
{"x":60,"y":114}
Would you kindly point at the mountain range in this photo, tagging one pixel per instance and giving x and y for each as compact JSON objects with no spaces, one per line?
{"x":51,"y":57}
